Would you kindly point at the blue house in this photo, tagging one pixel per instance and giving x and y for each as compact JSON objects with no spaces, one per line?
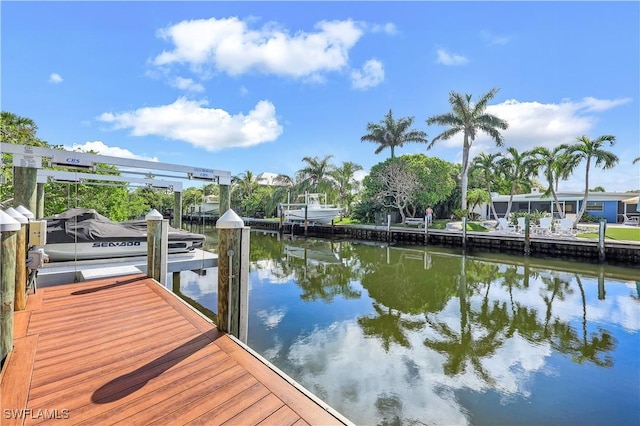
{"x":607,"y":205}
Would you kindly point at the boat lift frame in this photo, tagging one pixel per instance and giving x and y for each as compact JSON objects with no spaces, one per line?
{"x":30,"y":156}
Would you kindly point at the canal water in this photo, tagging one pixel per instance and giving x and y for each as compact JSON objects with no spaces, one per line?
{"x":426,"y":335}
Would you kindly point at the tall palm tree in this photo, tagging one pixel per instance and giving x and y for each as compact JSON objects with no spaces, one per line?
{"x":343,"y":176}
{"x":315,"y":175}
{"x":469,"y":118}
{"x":554,"y":164}
{"x":242,"y":186}
{"x":566,"y":163}
{"x":487,"y":164}
{"x":390,"y":133}
{"x":517,"y":167}
{"x":587,"y":149}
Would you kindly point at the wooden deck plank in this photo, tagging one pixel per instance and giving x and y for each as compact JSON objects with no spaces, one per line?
{"x":183,"y":379}
{"x":61,"y":330}
{"x":154,"y":320}
{"x":20,"y":323}
{"x":128,"y":375}
{"x":278,"y":385}
{"x":97,"y":306}
{"x":200,"y":322}
{"x":284,"y":416}
{"x":14,"y":389}
{"x":188,"y":406}
{"x":233,"y":406}
{"x":256,"y":412}
{"x":57,"y":350}
{"x":51,"y":377}
{"x":125,"y":350}
{"x":68,"y":289}
{"x":34,"y":301}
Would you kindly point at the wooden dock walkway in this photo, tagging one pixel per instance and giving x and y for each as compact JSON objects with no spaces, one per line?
{"x":125,"y":351}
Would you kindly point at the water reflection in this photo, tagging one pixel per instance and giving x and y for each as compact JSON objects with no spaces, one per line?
{"x":429,"y":336}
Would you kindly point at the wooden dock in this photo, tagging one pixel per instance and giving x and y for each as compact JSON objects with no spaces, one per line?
{"x":126,"y":351}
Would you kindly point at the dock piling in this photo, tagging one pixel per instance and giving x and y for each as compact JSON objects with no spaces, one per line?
{"x":527,"y":238}
{"x":464,"y":233}
{"x":20,"y":298}
{"x":602,"y":230}
{"x":8,"y":239}
{"x":233,"y":270}
{"x":157,"y":246}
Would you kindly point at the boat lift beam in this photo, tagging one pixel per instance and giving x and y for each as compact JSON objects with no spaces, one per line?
{"x":45,"y":176}
{"x":81,"y":160}
{"x":27,"y":159}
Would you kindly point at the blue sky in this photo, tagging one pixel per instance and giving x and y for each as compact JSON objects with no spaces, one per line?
{"x":257,"y":86}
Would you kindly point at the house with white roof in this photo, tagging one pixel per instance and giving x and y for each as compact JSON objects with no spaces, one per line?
{"x":612,"y":206}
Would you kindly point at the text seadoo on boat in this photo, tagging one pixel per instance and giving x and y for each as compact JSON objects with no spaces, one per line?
{"x":315,"y":212}
{"x":83,"y":234}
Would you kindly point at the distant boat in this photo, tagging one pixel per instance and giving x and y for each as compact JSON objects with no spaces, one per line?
{"x":83,"y":234}
{"x":315,"y":211}
{"x":314,"y":255}
{"x":209,"y":208}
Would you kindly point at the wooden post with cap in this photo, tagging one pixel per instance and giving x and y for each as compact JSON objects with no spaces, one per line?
{"x":157,"y":246}
{"x":233,"y":262}
{"x":8,"y":230}
{"x":20,"y":298}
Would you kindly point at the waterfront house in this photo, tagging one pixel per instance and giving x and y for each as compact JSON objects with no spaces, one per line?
{"x":608,"y":205}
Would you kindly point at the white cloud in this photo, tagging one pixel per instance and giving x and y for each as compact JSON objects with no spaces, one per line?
{"x":533,"y":124}
{"x":271,"y":318}
{"x":493,"y":39}
{"x":597,"y":105}
{"x":360,"y":175}
{"x":230,"y":46}
{"x":371,"y":75}
{"x":447,"y":58}
{"x":187,"y":84}
{"x":209,"y":128}
{"x":103,"y":149}
{"x":388,"y":28}
{"x":55,"y":78}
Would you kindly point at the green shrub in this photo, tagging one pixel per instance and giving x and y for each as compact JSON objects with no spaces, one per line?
{"x":460,"y":213}
{"x":534,"y":217}
{"x":587,"y":218}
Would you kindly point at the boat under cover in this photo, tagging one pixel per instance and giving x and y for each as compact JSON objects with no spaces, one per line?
{"x":82,"y":234}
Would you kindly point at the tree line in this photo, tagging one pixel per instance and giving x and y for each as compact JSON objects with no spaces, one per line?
{"x":510,"y":167}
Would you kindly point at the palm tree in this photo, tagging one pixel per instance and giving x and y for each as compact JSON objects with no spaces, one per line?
{"x":346,"y":183}
{"x":487,"y":164}
{"x":242,"y":186}
{"x":554,"y":164}
{"x":468,"y":118}
{"x":587,"y":149}
{"x":390,"y":133}
{"x":517,"y":168}
{"x":566,"y":164}
{"x":316,"y":174}
{"x":18,"y":130}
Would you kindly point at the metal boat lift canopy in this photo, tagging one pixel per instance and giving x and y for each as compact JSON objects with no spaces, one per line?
{"x":31,"y":156}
